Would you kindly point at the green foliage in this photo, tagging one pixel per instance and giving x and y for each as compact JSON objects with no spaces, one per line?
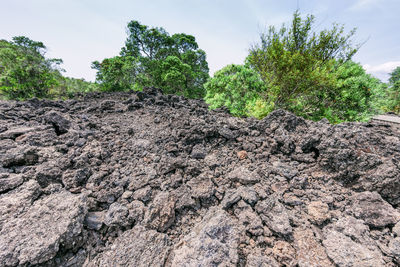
{"x":24,"y":70}
{"x":117,"y":73}
{"x":393,"y":92}
{"x":310,"y":73}
{"x":395,"y":76}
{"x":68,"y":87}
{"x":151,"y":57}
{"x":238,"y":88}
{"x":305,"y":72}
{"x":352,"y":97}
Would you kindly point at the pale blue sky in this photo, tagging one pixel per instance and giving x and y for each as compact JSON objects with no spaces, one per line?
{"x":81,"y":31}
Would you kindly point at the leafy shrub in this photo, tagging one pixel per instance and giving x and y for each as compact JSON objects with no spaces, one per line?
{"x":393,"y":93}
{"x":24,"y":70}
{"x":302,"y":70}
{"x":238,"y":88}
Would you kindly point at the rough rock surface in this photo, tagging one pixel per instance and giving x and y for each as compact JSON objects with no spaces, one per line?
{"x":145,"y":179}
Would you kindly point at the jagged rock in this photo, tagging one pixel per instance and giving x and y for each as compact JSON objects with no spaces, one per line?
{"x":137,"y":247}
{"x":15,"y":132}
{"x":20,"y":156}
{"x":60,"y":123}
{"x":394,"y":248}
{"x":25,"y":241}
{"x":285,"y":253}
{"x":10,"y":181}
{"x":310,"y":252}
{"x":249,"y":219}
{"x":243,"y":176}
{"x":274,"y":215}
{"x":318,"y":211}
{"x":212,"y":242}
{"x":261,"y":261}
{"x":75,"y":178}
{"x":370,"y":207}
{"x":284,"y":170}
{"x":161,"y":213}
{"x":231,"y":197}
{"x":47,"y":174}
{"x":396,"y":229}
{"x":202,"y":188}
{"x":94,"y":220}
{"x":165,"y":186}
{"x":348,"y":243}
{"x":117,"y":214}
{"x":345,"y":252}
{"x":198,"y":152}
{"x":15,"y":202}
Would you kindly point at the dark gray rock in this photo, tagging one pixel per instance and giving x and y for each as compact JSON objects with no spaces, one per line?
{"x":10,"y":181}
{"x":199,"y":152}
{"x":394,"y":249}
{"x":161,"y":213}
{"x":345,"y":252}
{"x":370,"y":207}
{"x":212,"y":242}
{"x":244,"y":176}
{"x":59,"y":122}
{"x":36,"y":236}
{"x":20,"y":156}
{"x":274,"y":215}
{"x":94,"y":220}
{"x":136,"y":247}
{"x":166,"y":186}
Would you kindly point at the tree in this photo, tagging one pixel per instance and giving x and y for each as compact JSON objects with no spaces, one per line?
{"x":395,"y":76}
{"x":117,"y":73}
{"x":238,"y":88}
{"x":393,"y":92}
{"x":24,"y":70}
{"x":298,"y":64}
{"x":151,"y":57}
{"x":352,"y":98}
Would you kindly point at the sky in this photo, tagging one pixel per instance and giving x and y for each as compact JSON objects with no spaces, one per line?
{"x":82,"y":31}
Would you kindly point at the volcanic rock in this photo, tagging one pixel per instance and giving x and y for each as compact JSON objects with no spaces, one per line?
{"x":145,"y":179}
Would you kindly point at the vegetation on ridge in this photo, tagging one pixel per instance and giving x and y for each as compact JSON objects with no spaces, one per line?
{"x":152,"y":57}
{"x":295,"y":68}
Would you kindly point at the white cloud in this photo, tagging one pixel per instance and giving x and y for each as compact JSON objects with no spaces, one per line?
{"x":365,"y":4}
{"x":382,"y":71}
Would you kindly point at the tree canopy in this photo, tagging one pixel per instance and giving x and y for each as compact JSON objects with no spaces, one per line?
{"x":306,"y":72}
{"x":24,"y":70}
{"x":393,"y":92}
{"x":152,"y":57}
{"x":297,"y":63}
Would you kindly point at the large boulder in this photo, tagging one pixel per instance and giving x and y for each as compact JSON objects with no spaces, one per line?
{"x":212,"y":242}
{"x":36,"y":235}
{"x":138,"y":247}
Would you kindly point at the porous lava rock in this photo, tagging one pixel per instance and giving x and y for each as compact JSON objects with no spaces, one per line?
{"x":146,"y":179}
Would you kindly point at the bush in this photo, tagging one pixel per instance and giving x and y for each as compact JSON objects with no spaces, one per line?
{"x":306,"y":72}
{"x":238,"y":88}
{"x":393,"y":92}
{"x":24,"y":70}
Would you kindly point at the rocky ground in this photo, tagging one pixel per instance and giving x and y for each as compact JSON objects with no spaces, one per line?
{"x":144,"y":179}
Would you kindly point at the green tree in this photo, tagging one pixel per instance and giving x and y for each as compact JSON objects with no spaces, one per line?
{"x":24,"y":70}
{"x":298,"y":65}
{"x":393,"y":92}
{"x":395,"y":76}
{"x":68,"y":87}
{"x":151,"y":57}
{"x":117,"y":73}
{"x":352,"y":98}
{"x":240,"y":89}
